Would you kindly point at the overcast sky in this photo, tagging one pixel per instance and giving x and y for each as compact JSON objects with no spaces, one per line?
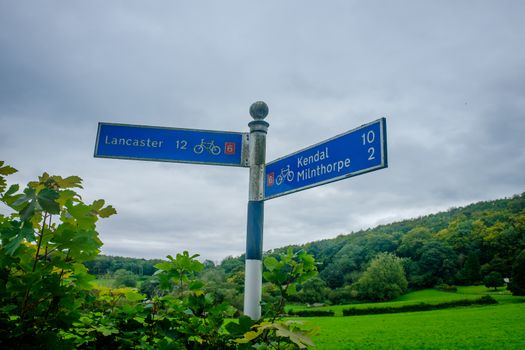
{"x":449,"y":76}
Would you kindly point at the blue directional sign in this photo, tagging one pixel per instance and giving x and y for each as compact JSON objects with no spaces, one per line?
{"x":352,"y":153}
{"x":171,"y":144}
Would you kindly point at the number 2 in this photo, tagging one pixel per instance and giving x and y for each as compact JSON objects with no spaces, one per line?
{"x":371,"y":152}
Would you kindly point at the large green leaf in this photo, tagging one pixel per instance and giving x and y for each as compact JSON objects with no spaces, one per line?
{"x":107,"y":211}
{"x":12,"y":246}
{"x":28,"y":211}
{"x":196,"y":285}
{"x":47,"y":200}
{"x":29,"y":194}
{"x":270,"y":263}
{"x":132,"y":295}
{"x":98,"y":204}
{"x":239,"y":328}
{"x":12,"y":189}
{"x":292,"y":289}
{"x":298,"y":338}
{"x":24,"y":232}
{"x":83,"y":214}
{"x":26,"y":204}
{"x":68,"y":195}
{"x":6,"y":170}
{"x":163,"y":266}
{"x":68,"y":182}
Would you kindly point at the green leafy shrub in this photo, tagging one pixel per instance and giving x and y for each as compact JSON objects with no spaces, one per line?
{"x":285,"y":273}
{"x":311,"y":313}
{"x":493,"y":280}
{"x":384,"y":279}
{"x":485,"y":300}
{"x":125,"y":278}
{"x":343,"y":295}
{"x":47,"y":300}
{"x":44,"y":242}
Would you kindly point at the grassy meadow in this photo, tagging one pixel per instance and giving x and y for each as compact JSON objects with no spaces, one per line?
{"x":488,"y":327}
{"x":105,"y":282}
{"x":500,"y":326}
{"x":429,"y":296}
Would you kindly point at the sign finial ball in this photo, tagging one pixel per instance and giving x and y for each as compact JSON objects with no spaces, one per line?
{"x":259,"y":110}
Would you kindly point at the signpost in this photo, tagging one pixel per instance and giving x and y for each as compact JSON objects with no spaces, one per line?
{"x":142,"y":142}
{"x":352,"y":153}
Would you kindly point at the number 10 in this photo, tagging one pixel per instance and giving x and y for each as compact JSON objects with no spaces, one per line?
{"x":369,"y":137}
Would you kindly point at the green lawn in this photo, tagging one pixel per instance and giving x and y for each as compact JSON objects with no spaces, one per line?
{"x":487,"y":327}
{"x":429,"y":296}
{"x":110,"y":282}
{"x":105,"y":282}
{"x":500,"y":326}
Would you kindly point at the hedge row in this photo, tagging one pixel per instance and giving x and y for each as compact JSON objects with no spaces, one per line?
{"x":311,"y":313}
{"x":485,"y":300}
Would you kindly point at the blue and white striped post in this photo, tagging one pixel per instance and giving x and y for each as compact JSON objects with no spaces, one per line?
{"x":254,"y":229}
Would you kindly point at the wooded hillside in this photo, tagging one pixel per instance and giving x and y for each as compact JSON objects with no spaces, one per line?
{"x":460,"y":246}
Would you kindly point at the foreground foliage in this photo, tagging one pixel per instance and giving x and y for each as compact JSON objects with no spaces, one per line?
{"x":43,"y":283}
{"x":47,"y":300}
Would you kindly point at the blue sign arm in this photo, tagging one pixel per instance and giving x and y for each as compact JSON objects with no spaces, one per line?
{"x":139,"y":142}
{"x":355,"y":152}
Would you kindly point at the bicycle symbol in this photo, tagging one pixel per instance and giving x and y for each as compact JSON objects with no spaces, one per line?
{"x":211,"y":147}
{"x":286,"y":173}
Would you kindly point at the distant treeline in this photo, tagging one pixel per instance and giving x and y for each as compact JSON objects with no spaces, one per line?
{"x":104,"y":264}
{"x":460,"y":246}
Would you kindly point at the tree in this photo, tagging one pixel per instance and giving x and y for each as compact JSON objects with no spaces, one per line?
{"x":150,"y":287}
{"x":517,"y":281}
{"x":343,"y":295}
{"x":231,"y":264}
{"x":437,"y":264}
{"x":470,"y":273}
{"x":314,"y":290}
{"x":125,"y":278}
{"x":494,"y":280}
{"x":350,"y":258}
{"x":413,"y":241}
{"x":384,"y":279}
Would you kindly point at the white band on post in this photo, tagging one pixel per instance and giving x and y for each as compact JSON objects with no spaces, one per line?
{"x":252,"y":289}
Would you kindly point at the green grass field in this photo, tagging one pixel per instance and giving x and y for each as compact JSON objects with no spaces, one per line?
{"x":429,"y":296}
{"x":488,"y":327}
{"x":500,"y":326}
{"x":105,"y":282}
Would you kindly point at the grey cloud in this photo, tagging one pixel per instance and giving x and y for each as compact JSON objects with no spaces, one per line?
{"x":447,"y":75}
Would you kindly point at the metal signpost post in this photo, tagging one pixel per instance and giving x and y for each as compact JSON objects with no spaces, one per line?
{"x":353,"y":153}
{"x":254,"y":229}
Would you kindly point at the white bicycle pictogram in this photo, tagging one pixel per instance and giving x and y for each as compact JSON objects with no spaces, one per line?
{"x":211,"y":147}
{"x":286,"y":173}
